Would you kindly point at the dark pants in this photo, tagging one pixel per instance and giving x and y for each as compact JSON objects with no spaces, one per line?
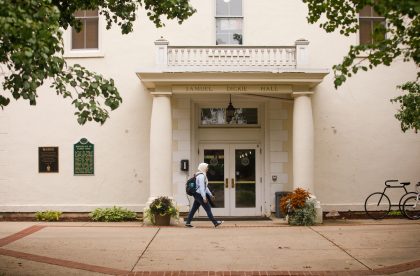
{"x":198,"y":200}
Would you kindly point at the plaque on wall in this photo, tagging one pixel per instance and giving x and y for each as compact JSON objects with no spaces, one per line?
{"x":48,"y":159}
{"x":83,"y":157}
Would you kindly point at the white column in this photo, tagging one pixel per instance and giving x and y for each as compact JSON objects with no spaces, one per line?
{"x":303,"y":142}
{"x":161,"y":146}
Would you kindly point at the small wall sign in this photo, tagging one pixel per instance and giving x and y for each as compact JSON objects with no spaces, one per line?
{"x":84,"y":157}
{"x":48,"y":159}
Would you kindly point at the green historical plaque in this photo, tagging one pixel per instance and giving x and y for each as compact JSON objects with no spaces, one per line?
{"x":48,"y":159}
{"x":84,"y":158}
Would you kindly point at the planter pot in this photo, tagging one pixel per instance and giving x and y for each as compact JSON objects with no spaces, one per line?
{"x":162,"y":220}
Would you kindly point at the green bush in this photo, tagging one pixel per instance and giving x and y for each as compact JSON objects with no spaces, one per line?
{"x":394,"y":213}
{"x":112,"y":214}
{"x":48,"y":215}
{"x":304,"y":215}
{"x":162,"y":206}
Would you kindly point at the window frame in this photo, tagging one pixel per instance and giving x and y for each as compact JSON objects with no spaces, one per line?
{"x":226,"y":125}
{"x":216,"y":17}
{"x":371,"y":18}
{"x":69,"y":52}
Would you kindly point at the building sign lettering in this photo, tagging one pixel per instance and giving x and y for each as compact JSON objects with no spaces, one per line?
{"x":199,"y":88}
{"x":231,"y":89}
{"x":236,"y":88}
{"x":271,"y":88}
{"x":47,"y":159}
{"x":83,"y":158}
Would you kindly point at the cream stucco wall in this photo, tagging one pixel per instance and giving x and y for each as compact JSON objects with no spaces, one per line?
{"x":358,"y":143}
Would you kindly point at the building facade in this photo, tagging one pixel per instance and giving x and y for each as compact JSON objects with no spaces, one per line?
{"x":243,"y":85}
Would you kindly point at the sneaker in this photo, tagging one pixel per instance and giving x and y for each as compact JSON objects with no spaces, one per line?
{"x":189,"y":225}
{"x":219,"y":222}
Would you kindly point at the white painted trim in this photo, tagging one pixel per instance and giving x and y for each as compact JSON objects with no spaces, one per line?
{"x":85,"y":53}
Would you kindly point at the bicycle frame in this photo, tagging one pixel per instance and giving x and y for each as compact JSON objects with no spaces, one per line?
{"x":387,"y":186}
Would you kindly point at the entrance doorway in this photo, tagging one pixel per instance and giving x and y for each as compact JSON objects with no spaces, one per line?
{"x":234,"y":178}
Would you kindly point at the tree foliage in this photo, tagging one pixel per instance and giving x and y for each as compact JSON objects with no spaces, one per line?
{"x":409,"y":113}
{"x":402,"y":39}
{"x":31,"y":49}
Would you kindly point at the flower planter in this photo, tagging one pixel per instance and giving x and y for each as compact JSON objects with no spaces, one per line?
{"x":162,"y":220}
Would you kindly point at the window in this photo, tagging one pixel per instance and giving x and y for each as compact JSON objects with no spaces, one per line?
{"x":217,"y":117}
{"x":229,"y":22}
{"x":369,"y":21}
{"x":88,"y":37}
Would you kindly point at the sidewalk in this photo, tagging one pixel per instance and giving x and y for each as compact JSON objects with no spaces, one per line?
{"x":345,"y":247}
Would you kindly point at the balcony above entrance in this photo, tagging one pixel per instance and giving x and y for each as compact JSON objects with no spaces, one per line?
{"x":216,"y":65}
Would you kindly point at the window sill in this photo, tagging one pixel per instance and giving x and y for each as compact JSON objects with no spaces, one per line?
{"x":84,"y":54}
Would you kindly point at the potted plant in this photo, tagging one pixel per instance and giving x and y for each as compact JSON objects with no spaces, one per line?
{"x":161,"y":210}
{"x":299,"y":207}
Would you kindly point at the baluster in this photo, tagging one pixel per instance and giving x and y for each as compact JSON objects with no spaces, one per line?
{"x":252,"y":57}
{"x":274,"y":60}
{"x":182,"y":58}
{"x":293,"y":54}
{"x":256,"y":56}
{"x":289,"y":57}
{"x":175,"y":57}
{"x":188,"y":56}
{"x":202,"y":61}
{"x":206,"y":57}
{"x":280,"y":57}
{"x":264,"y":57}
{"x":284,"y":57}
{"x":169,"y":57}
{"x":213,"y":57}
{"x":268,"y":54}
{"x":239,"y":56}
{"x":194,"y":57}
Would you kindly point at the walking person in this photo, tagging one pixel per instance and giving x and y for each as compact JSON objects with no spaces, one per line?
{"x":200,"y":196}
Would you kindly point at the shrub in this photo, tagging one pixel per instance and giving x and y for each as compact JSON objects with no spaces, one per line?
{"x":48,"y":215}
{"x":299,"y":207}
{"x":294,"y":200}
{"x":112,"y":214}
{"x":162,"y":206}
{"x":303,"y":216}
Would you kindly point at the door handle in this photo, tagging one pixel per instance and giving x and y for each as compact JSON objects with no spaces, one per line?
{"x":226,"y":183}
{"x":233,"y":183}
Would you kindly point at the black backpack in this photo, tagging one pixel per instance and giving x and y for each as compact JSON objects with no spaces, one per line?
{"x":191,"y":186}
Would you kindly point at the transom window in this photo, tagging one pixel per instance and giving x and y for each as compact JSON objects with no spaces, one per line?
{"x":229,"y":22}
{"x":242,"y":117}
{"x":369,"y":21}
{"x":87,"y":38}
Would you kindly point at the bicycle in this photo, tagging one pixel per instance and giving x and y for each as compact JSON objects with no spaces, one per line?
{"x":411,"y":205}
{"x":378,"y":204}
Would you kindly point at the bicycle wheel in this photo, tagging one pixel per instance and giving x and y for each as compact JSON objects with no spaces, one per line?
{"x":377,"y":205}
{"x":402,"y":199}
{"x":411,"y":207}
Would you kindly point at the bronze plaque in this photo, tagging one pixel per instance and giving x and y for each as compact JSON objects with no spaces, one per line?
{"x":48,"y":159}
{"x":84,"y":157}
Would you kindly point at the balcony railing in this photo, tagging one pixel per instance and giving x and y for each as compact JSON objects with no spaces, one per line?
{"x":250,"y":57}
{"x":232,"y":56}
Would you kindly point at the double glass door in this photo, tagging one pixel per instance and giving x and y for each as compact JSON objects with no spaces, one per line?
{"x":233,"y":178}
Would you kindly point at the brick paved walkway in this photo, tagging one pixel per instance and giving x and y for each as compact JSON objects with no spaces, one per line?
{"x":27,"y":232}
